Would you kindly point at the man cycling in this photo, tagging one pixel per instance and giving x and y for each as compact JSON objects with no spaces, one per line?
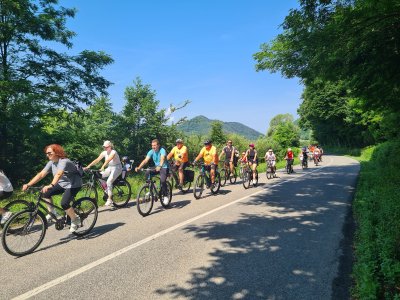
{"x":252,"y":160}
{"x":304,"y":156}
{"x":289,"y":157}
{"x":210,"y":157}
{"x":159,"y":157}
{"x":229,"y":152}
{"x":270,"y":158}
{"x":181,"y":158}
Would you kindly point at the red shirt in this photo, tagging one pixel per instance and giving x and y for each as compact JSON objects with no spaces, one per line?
{"x":289,"y":154}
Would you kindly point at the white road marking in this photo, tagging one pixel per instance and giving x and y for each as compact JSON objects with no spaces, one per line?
{"x":115,"y":254}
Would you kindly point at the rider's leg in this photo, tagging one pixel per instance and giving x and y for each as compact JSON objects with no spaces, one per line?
{"x":163,"y":180}
{"x":181,"y":175}
{"x":231,"y":167}
{"x":66,"y":199}
{"x":212,"y":173}
{"x":254,"y":167}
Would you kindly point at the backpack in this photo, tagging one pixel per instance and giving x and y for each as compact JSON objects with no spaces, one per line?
{"x":78,"y":167}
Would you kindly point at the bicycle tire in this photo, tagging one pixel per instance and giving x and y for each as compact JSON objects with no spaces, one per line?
{"x":121,"y":193}
{"x":16,"y":206}
{"x":89,"y":190}
{"x":246,"y":179}
{"x":256,"y":181}
{"x":20,"y":229}
{"x":86,"y":209}
{"x":186,"y":186}
{"x":224,"y":176}
{"x":164,"y":203}
{"x":233,"y":176}
{"x":145,"y":200}
{"x":198,"y":187}
{"x":217,"y":183}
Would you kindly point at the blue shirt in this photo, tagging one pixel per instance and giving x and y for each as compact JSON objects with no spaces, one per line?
{"x":156,"y":156}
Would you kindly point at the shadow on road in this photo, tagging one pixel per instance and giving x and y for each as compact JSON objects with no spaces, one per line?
{"x":287,"y":249}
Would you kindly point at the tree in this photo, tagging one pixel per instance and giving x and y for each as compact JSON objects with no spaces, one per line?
{"x":217,"y":135}
{"x":36,"y":79}
{"x":283,"y":131}
{"x":277,"y":120}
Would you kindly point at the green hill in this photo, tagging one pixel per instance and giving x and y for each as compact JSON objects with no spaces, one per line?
{"x":202,"y":125}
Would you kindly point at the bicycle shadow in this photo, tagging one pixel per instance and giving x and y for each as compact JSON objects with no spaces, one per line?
{"x":180,"y":204}
{"x":100,"y":230}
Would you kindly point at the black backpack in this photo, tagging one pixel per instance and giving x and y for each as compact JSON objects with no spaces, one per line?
{"x":78,"y":167}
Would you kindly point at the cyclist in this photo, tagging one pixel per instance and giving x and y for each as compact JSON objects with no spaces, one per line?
{"x":6,"y":190}
{"x":289,"y":156}
{"x":271,"y":158}
{"x":66,"y":181}
{"x":252,"y":160}
{"x":229,"y":152}
{"x":316,"y":153}
{"x":181,"y":157}
{"x":159,"y":157}
{"x":113,"y":170}
{"x":210,"y":157}
{"x":304,"y":155}
{"x":243,"y":158}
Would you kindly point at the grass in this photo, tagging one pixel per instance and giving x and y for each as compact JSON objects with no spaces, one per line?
{"x":376,"y":208}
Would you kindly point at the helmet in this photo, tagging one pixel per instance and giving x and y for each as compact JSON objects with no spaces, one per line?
{"x":251,"y":145}
{"x":289,"y":149}
{"x":179,"y":141}
{"x":125,"y":158}
{"x":207,"y":142}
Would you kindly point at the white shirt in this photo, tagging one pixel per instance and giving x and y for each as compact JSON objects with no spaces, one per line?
{"x":115,"y":162}
{"x":5,"y":184}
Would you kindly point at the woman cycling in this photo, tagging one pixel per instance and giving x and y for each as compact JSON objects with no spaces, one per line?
{"x":66,"y":181}
{"x":113,"y":170}
{"x":252,"y":160}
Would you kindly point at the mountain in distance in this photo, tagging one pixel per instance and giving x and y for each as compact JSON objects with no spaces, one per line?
{"x":202,"y":125}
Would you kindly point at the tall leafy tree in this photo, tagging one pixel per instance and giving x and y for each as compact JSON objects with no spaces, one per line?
{"x":217,"y":135}
{"x":35,"y":79}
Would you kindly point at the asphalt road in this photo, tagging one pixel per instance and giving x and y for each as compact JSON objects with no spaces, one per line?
{"x":284,"y":239}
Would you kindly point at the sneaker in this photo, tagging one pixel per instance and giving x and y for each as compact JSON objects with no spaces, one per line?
{"x":49,"y":218}
{"x":5,"y":217}
{"x":166,"y":199}
{"x":109,"y":202}
{"x":75,"y":224}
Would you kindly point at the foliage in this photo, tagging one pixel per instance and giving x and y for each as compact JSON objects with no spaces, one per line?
{"x":377,"y":267}
{"x":36,"y":80}
{"x":353,"y":44}
{"x":216,"y":134}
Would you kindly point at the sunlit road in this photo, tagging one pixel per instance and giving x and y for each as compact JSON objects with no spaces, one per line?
{"x":281,"y":240}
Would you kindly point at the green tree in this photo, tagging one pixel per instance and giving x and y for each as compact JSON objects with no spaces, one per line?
{"x":217,"y":135}
{"x":36,"y":80}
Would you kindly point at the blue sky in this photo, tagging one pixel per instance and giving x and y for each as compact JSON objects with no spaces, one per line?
{"x":196,"y":50}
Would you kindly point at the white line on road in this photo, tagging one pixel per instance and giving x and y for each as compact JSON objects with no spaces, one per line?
{"x":115,"y":254}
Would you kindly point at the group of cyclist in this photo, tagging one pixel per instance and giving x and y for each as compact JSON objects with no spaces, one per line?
{"x":68,"y":182}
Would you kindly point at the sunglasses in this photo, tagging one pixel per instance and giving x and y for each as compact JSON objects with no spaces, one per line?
{"x":49,"y":153}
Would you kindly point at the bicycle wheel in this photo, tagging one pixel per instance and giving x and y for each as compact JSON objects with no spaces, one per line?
{"x":224,"y":176}
{"x":233,"y":176}
{"x":269,"y":173}
{"x":217,"y":183}
{"x":186,"y":186}
{"x":145,"y":200}
{"x":198,"y":187}
{"x":24,"y":232}
{"x":14,"y":207}
{"x":166,"y":202}
{"x":89,"y":190}
{"x":246,"y":179}
{"x":121,"y":193}
{"x":86,"y":209}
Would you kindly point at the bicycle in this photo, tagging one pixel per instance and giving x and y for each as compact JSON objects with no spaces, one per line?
{"x":304,"y":163}
{"x":226,"y":173}
{"x":248,"y":177}
{"x":270,"y":170}
{"x":27,"y":228}
{"x":150,"y":192}
{"x":289,"y":166}
{"x":121,"y":189}
{"x":204,"y":177}
{"x":316,"y":159}
{"x":188,"y":176}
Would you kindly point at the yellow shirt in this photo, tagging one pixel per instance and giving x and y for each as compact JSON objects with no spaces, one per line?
{"x":208,"y":156}
{"x":180,"y":152}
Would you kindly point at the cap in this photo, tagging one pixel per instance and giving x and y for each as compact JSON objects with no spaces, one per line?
{"x":207,"y":142}
{"x":251,"y":145}
{"x":270,"y":150}
{"x":107,"y":143}
{"x":179,"y":141}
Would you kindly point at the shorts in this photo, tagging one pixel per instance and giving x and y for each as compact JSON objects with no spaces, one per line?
{"x":67,"y":197}
{"x":210,"y":167}
{"x":182,"y":166}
